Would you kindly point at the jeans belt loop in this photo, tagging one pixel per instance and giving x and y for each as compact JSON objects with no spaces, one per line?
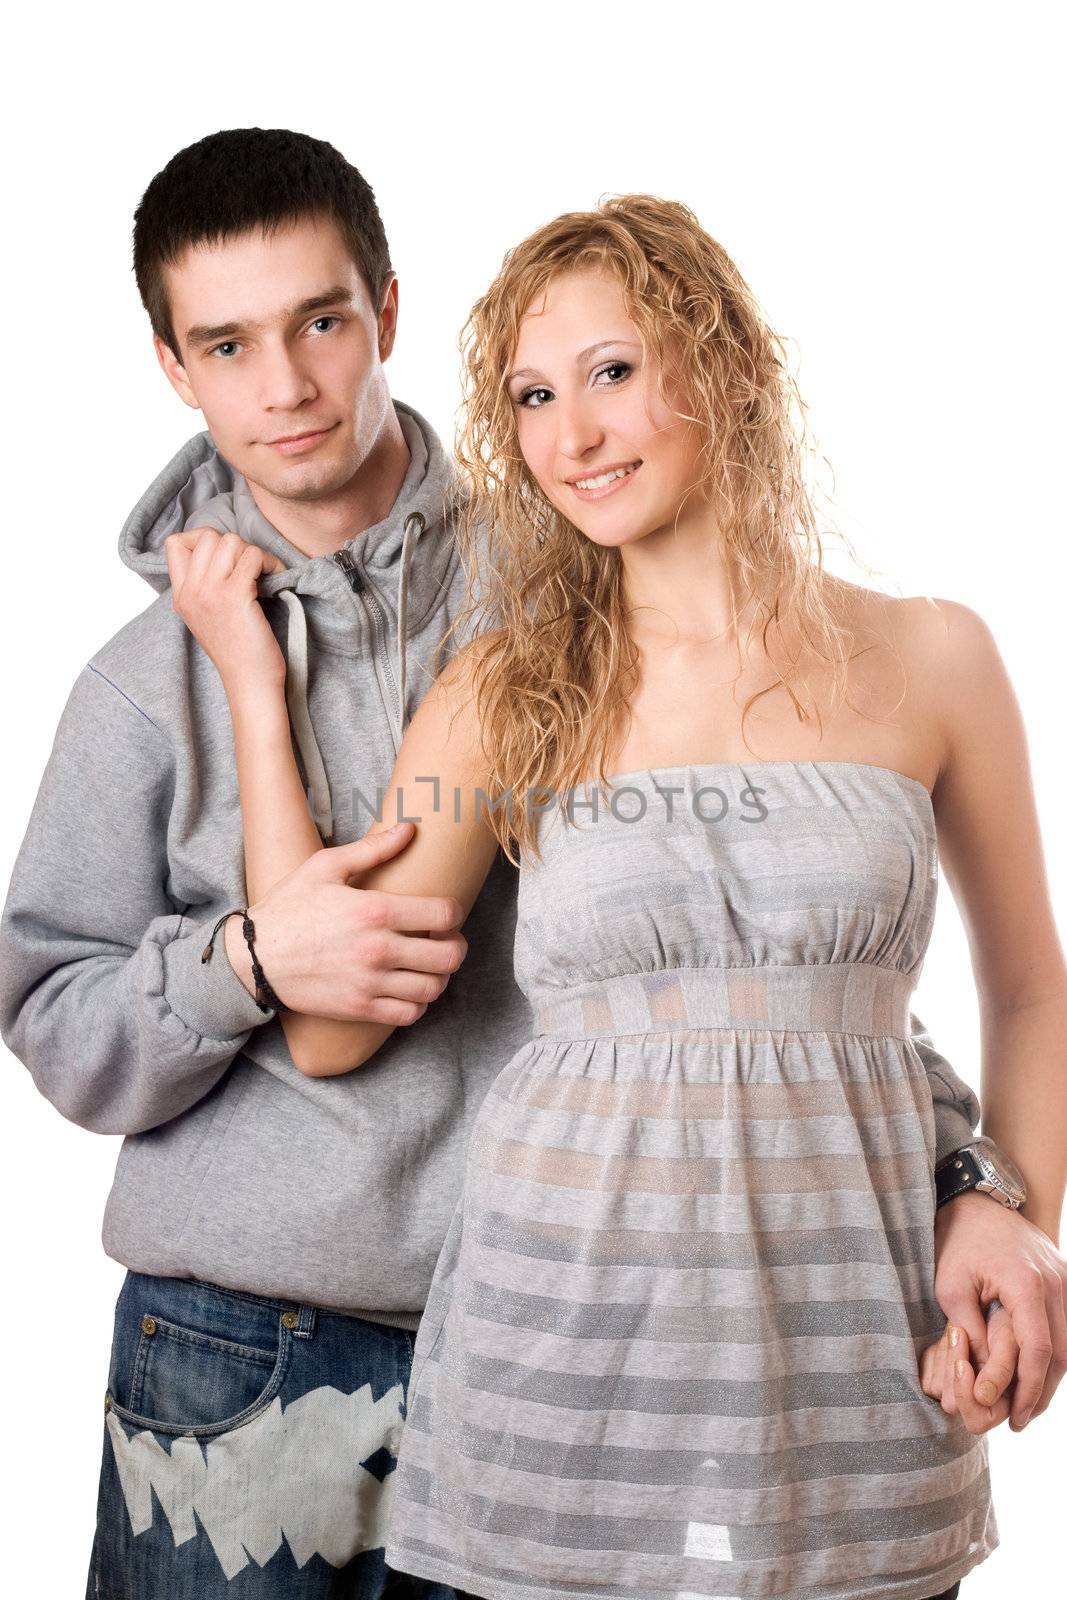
{"x":305,"y":1324}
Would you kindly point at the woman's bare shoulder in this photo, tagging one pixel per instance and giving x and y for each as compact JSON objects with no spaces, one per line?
{"x":460,"y":669}
{"x":930,"y":631}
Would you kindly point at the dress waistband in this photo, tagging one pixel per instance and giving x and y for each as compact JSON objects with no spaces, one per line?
{"x":836,"y":997}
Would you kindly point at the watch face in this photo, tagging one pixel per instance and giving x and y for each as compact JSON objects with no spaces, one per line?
{"x":1000,"y":1168}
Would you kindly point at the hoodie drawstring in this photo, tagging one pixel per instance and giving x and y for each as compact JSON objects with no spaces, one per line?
{"x":417,"y":522}
{"x":296,"y":698}
{"x":296,"y":680}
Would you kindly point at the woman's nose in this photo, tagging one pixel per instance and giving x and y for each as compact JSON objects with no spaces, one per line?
{"x":577,"y":429}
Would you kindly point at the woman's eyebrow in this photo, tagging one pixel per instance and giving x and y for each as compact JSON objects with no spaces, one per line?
{"x":583,"y":355}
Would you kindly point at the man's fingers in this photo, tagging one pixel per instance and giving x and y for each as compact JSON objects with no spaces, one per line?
{"x":992,"y":1378}
{"x":415,"y":913}
{"x":339,"y":862}
{"x":1030,"y":1320}
{"x":1058,"y":1365}
{"x":443,"y":953}
{"x":400,"y":952}
{"x":423,"y":988}
{"x":977,"y":1417}
{"x":403,"y":913}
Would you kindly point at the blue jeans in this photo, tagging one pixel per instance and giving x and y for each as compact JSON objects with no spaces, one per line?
{"x":248,"y":1450}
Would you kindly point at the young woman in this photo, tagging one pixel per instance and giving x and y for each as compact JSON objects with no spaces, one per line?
{"x":673,"y":1340}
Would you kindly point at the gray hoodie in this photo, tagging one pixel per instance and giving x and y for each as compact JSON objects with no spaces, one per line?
{"x":236,"y":1168}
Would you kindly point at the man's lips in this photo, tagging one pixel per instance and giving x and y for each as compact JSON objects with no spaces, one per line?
{"x":293,"y":443}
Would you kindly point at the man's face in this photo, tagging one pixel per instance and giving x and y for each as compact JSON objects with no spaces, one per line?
{"x":282,"y":351}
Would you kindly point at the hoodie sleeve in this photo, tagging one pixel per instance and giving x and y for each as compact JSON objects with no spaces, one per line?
{"x":103,"y":995}
{"x":956,"y":1107}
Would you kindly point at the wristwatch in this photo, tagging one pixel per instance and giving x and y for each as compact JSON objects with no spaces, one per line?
{"x":981,"y":1165}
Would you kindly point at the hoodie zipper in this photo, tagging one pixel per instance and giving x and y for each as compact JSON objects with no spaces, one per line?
{"x":344,"y":560}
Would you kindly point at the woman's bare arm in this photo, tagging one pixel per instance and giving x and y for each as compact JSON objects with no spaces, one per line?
{"x":450,"y":854}
{"x":214,"y":589}
{"x":989,"y":842}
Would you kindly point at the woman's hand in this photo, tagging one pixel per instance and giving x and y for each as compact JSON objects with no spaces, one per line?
{"x":947,"y":1373}
{"x":213,"y":580}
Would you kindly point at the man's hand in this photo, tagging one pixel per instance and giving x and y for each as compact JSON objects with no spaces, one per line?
{"x":982,"y":1251}
{"x":356,"y":955}
{"x":213,"y":579}
{"x":947,"y":1374}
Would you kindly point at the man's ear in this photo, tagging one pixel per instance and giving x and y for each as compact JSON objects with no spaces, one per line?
{"x":175,"y":372}
{"x":387,"y":318}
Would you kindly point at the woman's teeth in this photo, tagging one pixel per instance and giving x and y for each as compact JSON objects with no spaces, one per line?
{"x":606,"y":477}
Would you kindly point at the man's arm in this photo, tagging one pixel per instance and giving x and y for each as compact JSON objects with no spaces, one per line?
{"x":103,"y":995}
{"x":956,"y":1107}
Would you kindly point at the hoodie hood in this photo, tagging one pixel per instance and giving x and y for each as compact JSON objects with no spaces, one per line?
{"x":403,"y":564}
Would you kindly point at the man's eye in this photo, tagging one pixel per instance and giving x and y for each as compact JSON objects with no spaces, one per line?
{"x":228,"y":348}
{"x":527,"y":398}
{"x":317,"y":324}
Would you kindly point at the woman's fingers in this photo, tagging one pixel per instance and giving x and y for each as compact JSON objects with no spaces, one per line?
{"x":204,"y":554}
{"x":214,"y":578}
{"x":932,"y":1367}
{"x":944,"y":1388}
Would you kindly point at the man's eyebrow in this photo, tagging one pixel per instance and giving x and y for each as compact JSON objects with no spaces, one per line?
{"x":583,"y":355}
{"x":201,"y":334}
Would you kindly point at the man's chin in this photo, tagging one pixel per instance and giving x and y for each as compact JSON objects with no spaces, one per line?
{"x":304,"y":481}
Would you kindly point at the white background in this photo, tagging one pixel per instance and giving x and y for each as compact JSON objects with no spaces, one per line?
{"x":889,"y":179}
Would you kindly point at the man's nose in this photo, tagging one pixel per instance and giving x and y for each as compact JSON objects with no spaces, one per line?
{"x":285,"y":384}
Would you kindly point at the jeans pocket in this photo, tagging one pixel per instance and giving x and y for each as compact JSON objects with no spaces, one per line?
{"x":184,"y":1379}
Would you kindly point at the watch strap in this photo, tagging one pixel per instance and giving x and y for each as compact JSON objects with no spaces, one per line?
{"x":956,"y":1174}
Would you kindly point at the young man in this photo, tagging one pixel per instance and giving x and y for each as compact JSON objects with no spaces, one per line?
{"x":279,"y":1231}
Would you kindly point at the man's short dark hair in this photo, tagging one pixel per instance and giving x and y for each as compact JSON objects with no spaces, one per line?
{"x":241,"y":179}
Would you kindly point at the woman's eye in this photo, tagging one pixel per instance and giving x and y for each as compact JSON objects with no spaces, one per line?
{"x":618,"y":369}
{"x":527,"y":398}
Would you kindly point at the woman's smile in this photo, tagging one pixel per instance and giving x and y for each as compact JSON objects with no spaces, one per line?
{"x":602,"y":481}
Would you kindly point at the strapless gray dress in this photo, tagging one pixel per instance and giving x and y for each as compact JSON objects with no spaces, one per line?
{"x":671,"y":1344}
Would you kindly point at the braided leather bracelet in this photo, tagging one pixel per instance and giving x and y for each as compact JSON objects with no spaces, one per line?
{"x":266,"y":999}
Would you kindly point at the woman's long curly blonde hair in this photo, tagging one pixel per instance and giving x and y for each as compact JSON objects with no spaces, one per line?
{"x":555,"y":664}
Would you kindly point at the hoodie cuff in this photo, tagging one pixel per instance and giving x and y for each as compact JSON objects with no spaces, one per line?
{"x":953,"y":1130}
{"x":208,"y":996}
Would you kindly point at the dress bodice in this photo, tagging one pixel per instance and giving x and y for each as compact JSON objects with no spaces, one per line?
{"x":726,"y":866}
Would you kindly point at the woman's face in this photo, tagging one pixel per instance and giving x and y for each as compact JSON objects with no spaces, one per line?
{"x":604,"y":448}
